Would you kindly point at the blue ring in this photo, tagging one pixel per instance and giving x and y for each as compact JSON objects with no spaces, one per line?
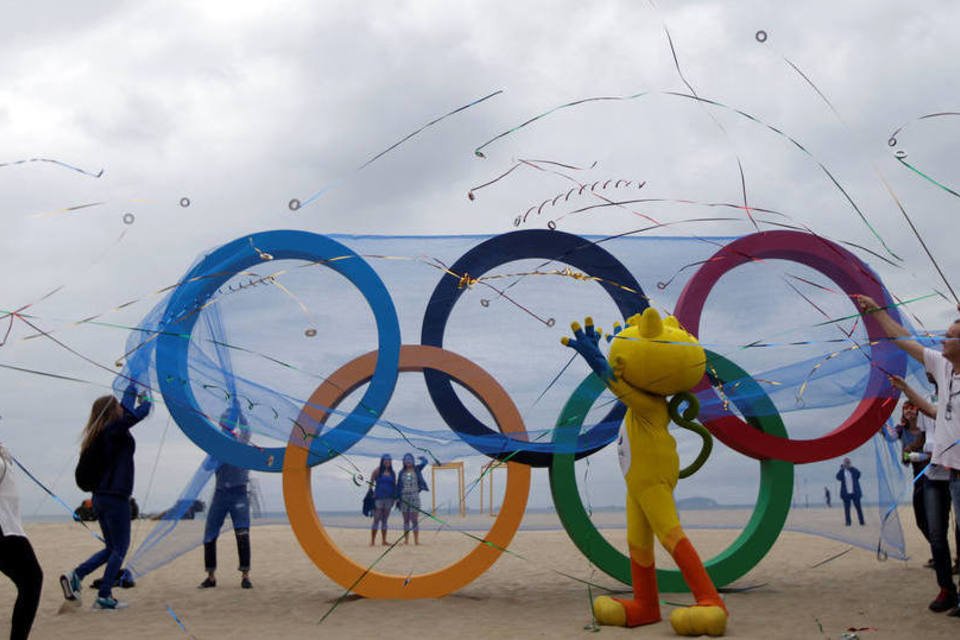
{"x":570,"y":249}
{"x":203,"y":281}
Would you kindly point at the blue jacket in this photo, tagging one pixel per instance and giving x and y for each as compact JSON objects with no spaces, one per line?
{"x":855,"y":475}
{"x":119,"y":447}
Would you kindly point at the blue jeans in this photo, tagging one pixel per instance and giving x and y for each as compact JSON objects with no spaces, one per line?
{"x":236,"y":502}
{"x":113,"y":513}
{"x":936,"y":496}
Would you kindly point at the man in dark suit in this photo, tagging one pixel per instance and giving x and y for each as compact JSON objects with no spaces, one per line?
{"x":849,"y":478}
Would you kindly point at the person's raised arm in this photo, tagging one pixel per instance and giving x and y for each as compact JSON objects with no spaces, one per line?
{"x":132,"y":412}
{"x":891,"y":327}
{"x":924,"y":405}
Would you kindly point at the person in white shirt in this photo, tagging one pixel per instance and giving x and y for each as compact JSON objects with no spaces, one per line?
{"x":936,"y":485}
{"x":17,"y":559}
{"x":944,"y":369}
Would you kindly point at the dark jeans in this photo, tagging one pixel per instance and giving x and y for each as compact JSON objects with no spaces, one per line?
{"x":846,"y":508}
{"x":113,"y":513}
{"x":19,"y":563}
{"x":919,"y":507}
{"x":955,"y":496}
{"x":936,"y":497}
{"x":236,"y":502}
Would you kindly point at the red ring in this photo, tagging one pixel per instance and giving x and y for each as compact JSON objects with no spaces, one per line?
{"x":849,"y":273}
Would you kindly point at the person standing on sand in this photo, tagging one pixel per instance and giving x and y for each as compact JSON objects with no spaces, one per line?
{"x":409,"y":485}
{"x":943,"y":367}
{"x":108,"y":429}
{"x":849,"y":477}
{"x":17,"y":559}
{"x":384,"y":482}
{"x":231,"y":496}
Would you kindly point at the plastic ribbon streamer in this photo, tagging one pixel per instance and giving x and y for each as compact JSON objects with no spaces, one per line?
{"x":297,"y":204}
{"x":726,"y":135}
{"x":179,"y":622}
{"x":59,"y":500}
{"x":900,"y":155}
{"x":76,"y":207}
{"x":55,"y":162}
{"x":902,"y":159}
{"x":678,"y":94}
{"x":892,"y":140}
{"x":535,"y":164}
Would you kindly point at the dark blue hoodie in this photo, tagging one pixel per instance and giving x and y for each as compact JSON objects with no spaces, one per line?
{"x":119,"y":447}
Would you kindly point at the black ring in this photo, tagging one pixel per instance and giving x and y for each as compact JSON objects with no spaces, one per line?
{"x":560,"y":246}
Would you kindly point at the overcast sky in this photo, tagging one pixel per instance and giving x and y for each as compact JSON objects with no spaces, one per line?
{"x":241,"y":107}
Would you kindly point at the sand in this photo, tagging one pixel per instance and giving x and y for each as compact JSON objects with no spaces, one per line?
{"x":520,"y":597}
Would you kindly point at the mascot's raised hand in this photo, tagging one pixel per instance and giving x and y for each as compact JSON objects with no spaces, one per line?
{"x":586,"y":342}
{"x":650,"y":359}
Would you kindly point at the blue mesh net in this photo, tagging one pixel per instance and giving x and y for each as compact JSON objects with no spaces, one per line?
{"x":274,"y":332}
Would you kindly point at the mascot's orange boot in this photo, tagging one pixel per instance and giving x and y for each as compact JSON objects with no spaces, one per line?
{"x":709,"y":615}
{"x":643,"y":609}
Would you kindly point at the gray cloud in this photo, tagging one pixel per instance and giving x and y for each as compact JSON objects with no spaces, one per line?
{"x":241,"y":108}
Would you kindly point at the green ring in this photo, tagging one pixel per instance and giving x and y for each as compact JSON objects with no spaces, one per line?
{"x":769,"y":514}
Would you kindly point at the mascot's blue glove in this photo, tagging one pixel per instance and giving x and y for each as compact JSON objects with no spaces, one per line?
{"x":586,"y":342}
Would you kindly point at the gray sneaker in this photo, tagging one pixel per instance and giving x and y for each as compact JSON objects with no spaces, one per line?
{"x":70,"y":583}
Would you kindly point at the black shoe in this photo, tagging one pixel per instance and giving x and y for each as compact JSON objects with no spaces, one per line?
{"x":929,"y":564}
{"x":209,"y":583}
{"x":954,"y":613}
{"x":945,"y":601}
{"x":246,"y":584}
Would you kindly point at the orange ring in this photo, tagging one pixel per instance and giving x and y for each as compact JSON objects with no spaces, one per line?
{"x":298,"y":493}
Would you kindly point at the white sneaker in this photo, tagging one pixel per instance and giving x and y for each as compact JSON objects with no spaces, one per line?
{"x":70,"y":584}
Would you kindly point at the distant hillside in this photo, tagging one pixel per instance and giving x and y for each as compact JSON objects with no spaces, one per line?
{"x":697,"y":503}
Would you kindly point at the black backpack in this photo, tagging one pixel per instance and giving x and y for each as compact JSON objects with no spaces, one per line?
{"x":91,"y":465}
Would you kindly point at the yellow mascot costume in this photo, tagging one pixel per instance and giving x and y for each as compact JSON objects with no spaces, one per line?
{"x":649,"y":360}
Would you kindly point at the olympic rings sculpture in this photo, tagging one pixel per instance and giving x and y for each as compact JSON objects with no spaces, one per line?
{"x":763,"y":438}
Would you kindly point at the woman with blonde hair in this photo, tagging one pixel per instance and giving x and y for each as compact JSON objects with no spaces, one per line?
{"x":17,"y":559}
{"x":106,"y":466}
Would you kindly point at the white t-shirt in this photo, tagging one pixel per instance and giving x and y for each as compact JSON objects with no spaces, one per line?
{"x":947,"y":433}
{"x":929,"y":426}
{"x":9,"y":502}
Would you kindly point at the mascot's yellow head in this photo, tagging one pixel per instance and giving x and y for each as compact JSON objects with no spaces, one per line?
{"x":656,"y":355}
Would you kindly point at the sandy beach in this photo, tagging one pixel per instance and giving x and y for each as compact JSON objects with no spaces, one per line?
{"x":522,"y":596}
